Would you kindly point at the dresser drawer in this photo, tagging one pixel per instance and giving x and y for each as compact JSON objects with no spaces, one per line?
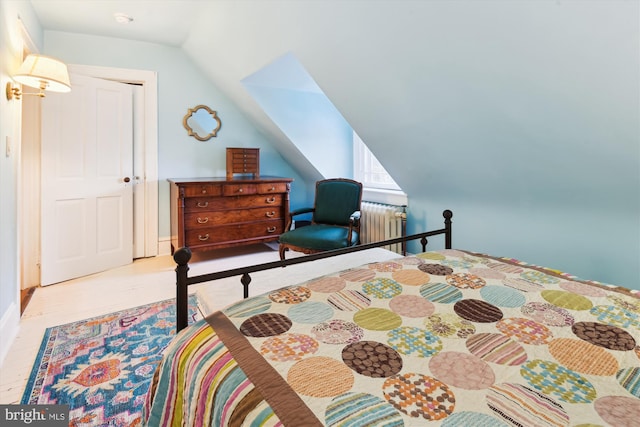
{"x":206,"y":204}
{"x":196,"y":190}
{"x":244,"y":164}
{"x":276,"y":187}
{"x":234,"y":232}
{"x":200,"y":204}
{"x":239,"y":189}
{"x":244,"y":155}
{"x":211,"y":218}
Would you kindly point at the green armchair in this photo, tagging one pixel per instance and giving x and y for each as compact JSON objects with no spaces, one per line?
{"x":335,"y":222}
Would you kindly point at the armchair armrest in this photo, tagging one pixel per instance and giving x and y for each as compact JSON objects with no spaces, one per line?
{"x":354,"y":219}
{"x":354,"y":222}
{"x":300,"y":211}
{"x":295,"y":212}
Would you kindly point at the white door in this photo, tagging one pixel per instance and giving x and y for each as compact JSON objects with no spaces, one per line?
{"x":87,"y":165}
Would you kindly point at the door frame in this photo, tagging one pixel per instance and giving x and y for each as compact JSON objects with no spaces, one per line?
{"x":149,"y":81}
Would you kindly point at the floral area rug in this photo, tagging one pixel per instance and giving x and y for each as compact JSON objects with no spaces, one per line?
{"x":102,"y":367}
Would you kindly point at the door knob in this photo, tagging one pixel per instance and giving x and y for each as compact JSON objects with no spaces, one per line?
{"x":126,"y":179}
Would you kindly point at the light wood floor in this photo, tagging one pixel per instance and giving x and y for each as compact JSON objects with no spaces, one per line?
{"x":142,"y":282}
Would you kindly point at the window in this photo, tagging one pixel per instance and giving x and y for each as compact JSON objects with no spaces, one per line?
{"x":368,"y":170}
{"x":378,"y":185}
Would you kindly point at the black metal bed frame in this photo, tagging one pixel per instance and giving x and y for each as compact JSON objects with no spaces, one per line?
{"x":183,"y":255}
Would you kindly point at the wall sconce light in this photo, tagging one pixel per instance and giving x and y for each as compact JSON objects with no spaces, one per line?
{"x":43,"y":72}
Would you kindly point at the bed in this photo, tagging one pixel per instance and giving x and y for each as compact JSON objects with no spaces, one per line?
{"x":443,"y":337}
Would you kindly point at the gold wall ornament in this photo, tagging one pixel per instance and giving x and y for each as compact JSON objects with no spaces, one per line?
{"x":201,"y":122}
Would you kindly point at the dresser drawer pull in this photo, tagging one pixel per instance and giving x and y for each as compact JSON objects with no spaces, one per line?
{"x":203,"y":220}
{"x":203,"y":238}
{"x":270,"y":214}
{"x":239,"y":190}
{"x":271,"y":200}
{"x":271,"y":229}
{"x":204,"y":190}
{"x":272,"y":189}
{"x":202,"y":204}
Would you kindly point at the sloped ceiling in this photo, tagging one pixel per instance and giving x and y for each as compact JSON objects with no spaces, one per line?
{"x":492,"y":94}
{"x":451,"y":96}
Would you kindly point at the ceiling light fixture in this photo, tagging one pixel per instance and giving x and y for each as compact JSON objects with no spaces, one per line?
{"x":40,"y":71}
{"x":122,"y":18}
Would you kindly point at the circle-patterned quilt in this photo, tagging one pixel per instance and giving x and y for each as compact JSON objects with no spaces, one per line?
{"x":452,"y":338}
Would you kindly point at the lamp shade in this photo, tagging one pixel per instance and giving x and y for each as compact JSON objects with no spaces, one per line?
{"x":44,"y":72}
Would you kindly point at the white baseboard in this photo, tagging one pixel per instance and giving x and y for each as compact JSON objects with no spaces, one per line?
{"x":9,"y":325}
{"x":164,"y":246}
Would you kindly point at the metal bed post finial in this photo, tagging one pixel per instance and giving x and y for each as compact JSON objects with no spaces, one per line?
{"x":245,"y":280}
{"x":447,"y":214}
{"x":403,"y":217}
{"x":182,"y":257}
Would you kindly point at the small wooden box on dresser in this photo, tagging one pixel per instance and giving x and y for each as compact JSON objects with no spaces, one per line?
{"x":213,"y":213}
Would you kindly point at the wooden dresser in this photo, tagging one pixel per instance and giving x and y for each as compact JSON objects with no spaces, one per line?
{"x":213,"y":213}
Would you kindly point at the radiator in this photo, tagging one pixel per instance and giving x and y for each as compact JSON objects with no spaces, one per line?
{"x":382,"y":222}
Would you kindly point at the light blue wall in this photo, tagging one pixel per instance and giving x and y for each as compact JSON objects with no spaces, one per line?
{"x":590,"y":244}
{"x":180,"y":86}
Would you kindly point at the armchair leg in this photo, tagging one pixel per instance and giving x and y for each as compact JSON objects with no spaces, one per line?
{"x":281,"y":250}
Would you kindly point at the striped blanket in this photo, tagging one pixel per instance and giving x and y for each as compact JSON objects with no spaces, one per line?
{"x":449,"y":338}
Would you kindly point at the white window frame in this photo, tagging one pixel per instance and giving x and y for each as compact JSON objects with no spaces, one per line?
{"x":366,"y":168}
